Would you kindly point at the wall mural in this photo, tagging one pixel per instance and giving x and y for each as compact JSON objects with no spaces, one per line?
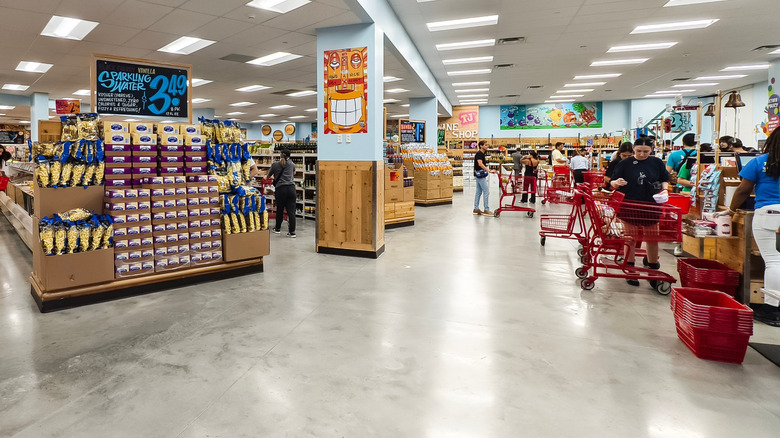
{"x":346,"y":91}
{"x":552,"y":116}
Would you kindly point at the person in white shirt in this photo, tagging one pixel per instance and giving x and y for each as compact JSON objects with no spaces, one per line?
{"x":579,"y":164}
{"x":558,"y":157}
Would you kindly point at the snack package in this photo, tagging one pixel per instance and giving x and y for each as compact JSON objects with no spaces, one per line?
{"x":85,"y":232}
{"x":98,"y":229}
{"x":226,"y":214}
{"x":46,"y":232}
{"x":100,"y":169}
{"x":74,"y":215}
{"x":207,"y":129}
{"x":60,"y":235}
{"x":72,"y":237}
{"x":70,"y":130}
{"x":43,"y":172}
{"x":88,"y":126}
{"x":108,"y":234}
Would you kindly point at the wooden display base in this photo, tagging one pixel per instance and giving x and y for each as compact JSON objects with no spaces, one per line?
{"x":351,"y":252}
{"x":457,"y":189}
{"x":399,"y":222}
{"x":432,"y":202}
{"x":62,"y":299}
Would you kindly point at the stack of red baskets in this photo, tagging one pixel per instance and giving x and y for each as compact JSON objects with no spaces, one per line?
{"x":707,"y":274}
{"x":712,"y":324}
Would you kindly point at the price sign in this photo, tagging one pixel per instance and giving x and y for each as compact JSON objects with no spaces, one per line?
{"x":411,"y":131}
{"x":141,"y":89}
{"x":68,"y":106}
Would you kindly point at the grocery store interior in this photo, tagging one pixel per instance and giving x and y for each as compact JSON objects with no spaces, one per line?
{"x":270,"y":218}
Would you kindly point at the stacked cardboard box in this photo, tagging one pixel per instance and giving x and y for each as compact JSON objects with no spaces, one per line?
{"x":133,"y":244}
{"x":170,"y":145}
{"x":204,"y":220}
{"x":194,"y":150}
{"x":399,"y":195}
{"x":118,"y":156}
{"x":169,"y":222}
{"x":144,"y":146}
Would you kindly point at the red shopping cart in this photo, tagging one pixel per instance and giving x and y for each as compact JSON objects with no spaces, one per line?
{"x":511,"y":186}
{"x":270,"y":198}
{"x":559,"y":188}
{"x":617,"y":226}
{"x":594,"y":178}
{"x":572,"y":225}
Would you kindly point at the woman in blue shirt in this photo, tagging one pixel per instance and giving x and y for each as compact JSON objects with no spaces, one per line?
{"x":762,"y":174}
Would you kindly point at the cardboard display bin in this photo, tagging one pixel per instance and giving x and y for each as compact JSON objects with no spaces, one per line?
{"x":245,"y":246}
{"x":50,"y":201}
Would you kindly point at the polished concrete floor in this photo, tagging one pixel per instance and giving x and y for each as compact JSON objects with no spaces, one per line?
{"x":465,"y":327}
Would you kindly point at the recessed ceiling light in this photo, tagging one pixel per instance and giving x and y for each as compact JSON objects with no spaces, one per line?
{"x":675,"y":91}
{"x":235,"y":113}
{"x":719,"y":78}
{"x":472,"y":90}
{"x":250,"y":88}
{"x":560,"y":100}
{"x":391,"y":79}
{"x":2,"y":114}
{"x":280,"y":6}
{"x":406,"y":105}
{"x":698,"y":84}
{"x":269,"y":115}
{"x":234,"y":120}
{"x":776,"y":52}
{"x":463,"y":23}
{"x":584,"y":84}
{"x":15,"y":87}
{"x":273,"y":59}
{"x":167,"y":121}
{"x":470,"y":84}
{"x":688,"y":2}
{"x":579,"y":90}
{"x":298,"y":117}
{"x":390,"y":100}
{"x":186,"y":45}
{"x":284,"y":121}
{"x":396,"y":90}
{"x":479,"y":71}
{"x":33,"y":67}
{"x":473,"y":101}
{"x":257,"y":121}
{"x":200,"y":100}
{"x":130,"y":120}
{"x":466,"y":96}
{"x":466,"y":45}
{"x":639,"y":47}
{"x":82,"y":92}
{"x":746,"y":67}
{"x":400,"y":115}
{"x":302,"y":93}
{"x":243,"y":104}
{"x":7,"y":107}
{"x":310,"y":110}
{"x":68,"y":28}
{"x":24,"y":122}
{"x":568,"y":95}
{"x":198,"y":82}
{"x":677,"y":25}
{"x":618,"y":62}
{"x":599,"y":76}
{"x":282,"y":106}
{"x":467,"y":60}
{"x":667,"y":96}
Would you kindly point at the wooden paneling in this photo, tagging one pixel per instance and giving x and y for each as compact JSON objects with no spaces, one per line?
{"x":350,"y":205}
{"x":49,"y":131}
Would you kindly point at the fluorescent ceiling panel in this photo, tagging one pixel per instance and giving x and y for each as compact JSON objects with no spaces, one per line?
{"x":186,"y":45}
{"x":688,"y":2}
{"x":479,"y":71}
{"x":467,"y":96}
{"x":690,"y":90}
{"x":273,"y":59}
{"x":24,"y":122}
{"x":676,"y":25}
{"x":198,"y":82}
{"x":463,"y":23}
{"x":302,"y":93}
{"x":746,"y":67}
{"x":599,"y":76}
{"x":243,"y":104}
{"x":391,"y":79}
{"x":473,"y":60}
{"x":68,"y":28}
{"x":396,"y":90}
{"x":390,"y":100}
{"x":82,"y":92}
{"x":470,"y":84}
{"x":269,"y":115}
{"x":200,"y":100}
{"x":251,"y":88}
{"x":568,"y":95}
{"x":667,"y":96}
{"x":7,"y":107}
{"x":629,"y":61}
{"x":465,"y":45}
{"x":577,"y":90}
{"x":257,"y":121}
{"x":279,"y":6}
{"x":640,"y":47}
{"x":33,"y":67}
{"x":298,"y":117}
{"x":130,"y":120}
{"x":472,"y":90}
{"x":15,"y":87}
{"x":282,"y":107}
{"x":698,"y":84}
{"x":235,"y":113}
{"x":584,"y":84}
{"x":719,"y":78}
{"x":310,"y":110}
{"x":560,"y":100}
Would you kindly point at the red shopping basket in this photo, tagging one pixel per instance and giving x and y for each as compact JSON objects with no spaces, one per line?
{"x":711,"y":324}
{"x":708,"y":274}
{"x":680,"y":201}
{"x":594,"y":177}
{"x":4,"y":183}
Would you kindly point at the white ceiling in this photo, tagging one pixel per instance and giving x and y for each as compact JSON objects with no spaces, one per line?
{"x":563,"y":38}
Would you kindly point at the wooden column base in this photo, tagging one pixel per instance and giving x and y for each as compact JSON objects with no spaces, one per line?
{"x":67,"y":298}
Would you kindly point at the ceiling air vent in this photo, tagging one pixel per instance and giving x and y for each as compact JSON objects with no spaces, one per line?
{"x":681,"y":79}
{"x":535,"y":87}
{"x":766,"y":47}
{"x":235,"y":57}
{"x":513,"y":40}
{"x":509,"y":95}
{"x":503,"y":66}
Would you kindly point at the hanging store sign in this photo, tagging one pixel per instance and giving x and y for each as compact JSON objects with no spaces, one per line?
{"x":411,"y":131}
{"x":137,"y":87}
{"x":67,"y":106}
{"x":463,"y":125}
{"x":346,"y":91}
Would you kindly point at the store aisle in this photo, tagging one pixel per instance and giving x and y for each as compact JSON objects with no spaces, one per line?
{"x":465,"y":327}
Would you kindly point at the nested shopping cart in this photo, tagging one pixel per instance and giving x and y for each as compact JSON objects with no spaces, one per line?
{"x":594,"y":178}
{"x":511,"y":186}
{"x":572,"y":225}
{"x":558,"y":189}
{"x":617,"y":226}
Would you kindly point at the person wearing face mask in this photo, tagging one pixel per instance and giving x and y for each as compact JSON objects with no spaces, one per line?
{"x":639,"y":178}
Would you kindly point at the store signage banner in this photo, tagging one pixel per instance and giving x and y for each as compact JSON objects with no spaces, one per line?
{"x":139,"y":89}
{"x":463,"y":125}
{"x":411,"y":131}
{"x":552,"y":116}
{"x":772,"y":109}
{"x":67,"y":106}
{"x":346,"y":91}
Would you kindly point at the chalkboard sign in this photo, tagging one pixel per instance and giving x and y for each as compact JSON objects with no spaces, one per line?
{"x":411,"y":131}
{"x":11,"y":137}
{"x":132,"y":88}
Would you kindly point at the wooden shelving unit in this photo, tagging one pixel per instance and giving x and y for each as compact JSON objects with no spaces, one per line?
{"x":305,"y":180}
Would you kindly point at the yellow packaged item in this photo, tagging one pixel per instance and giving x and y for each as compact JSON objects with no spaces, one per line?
{"x":70,"y":130}
{"x":77,"y":174}
{"x":42,"y":174}
{"x":85,"y":231}
{"x":97,"y":237}
{"x":100,"y":173}
{"x":74,"y":215}
{"x":67,"y":170}
{"x":242,"y":222}
{"x":73,"y":238}
{"x":107,"y":235}
{"x":89,"y":174}
{"x":59,"y":240}
{"x":234,"y":223}
{"x":88,"y":127}
{"x":47,"y":240}
{"x":226,"y":223}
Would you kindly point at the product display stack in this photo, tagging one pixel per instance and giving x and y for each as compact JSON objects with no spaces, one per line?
{"x":399,"y":191}
{"x":170,"y":145}
{"x":144,"y":147}
{"x":204,"y":220}
{"x":131,"y":213}
{"x":195,"y":162}
{"x":118,"y":155}
{"x":170,"y":227}
{"x":432,"y":174}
